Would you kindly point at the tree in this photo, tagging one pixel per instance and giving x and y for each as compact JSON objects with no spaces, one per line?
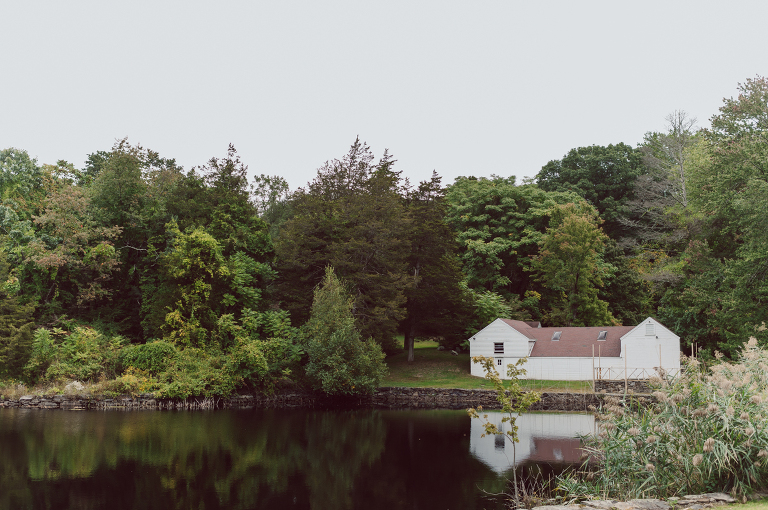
{"x":437,"y":303}
{"x":513,"y":401}
{"x":604,"y":176}
{"x":570,"y":264}
{"x":351,"y":217}
{"x":339,"y":361}
{"x":731,"y":190}
{"x":16,"y":326}
{"x":270,"y":195}
{"x":498,"y":225}
{"x":75,"y":257}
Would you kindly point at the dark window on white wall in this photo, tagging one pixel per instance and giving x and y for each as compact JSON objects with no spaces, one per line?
{"x":498,"y":348}
{"x":498,"y":361}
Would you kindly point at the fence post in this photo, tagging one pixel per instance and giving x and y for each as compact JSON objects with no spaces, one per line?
{"x":626,"y":349}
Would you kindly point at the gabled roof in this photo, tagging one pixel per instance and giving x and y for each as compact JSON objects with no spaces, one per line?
{"x":574,"y":342}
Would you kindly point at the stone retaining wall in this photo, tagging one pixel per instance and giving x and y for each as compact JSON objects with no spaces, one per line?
{"x":386,"y":397}
{"x":636,"y":386}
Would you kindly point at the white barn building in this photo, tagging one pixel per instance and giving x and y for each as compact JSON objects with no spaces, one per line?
{"x":578,"y":354}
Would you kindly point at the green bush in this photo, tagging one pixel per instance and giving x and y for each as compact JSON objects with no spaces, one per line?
{"x":196,"y":373}
{"x":83,"y":354}
{"x":153,"y":357}
{"x":705,"y":433}
{"x":338,"y":361}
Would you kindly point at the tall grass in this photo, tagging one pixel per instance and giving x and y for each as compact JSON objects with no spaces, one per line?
{"x":705,"y":432}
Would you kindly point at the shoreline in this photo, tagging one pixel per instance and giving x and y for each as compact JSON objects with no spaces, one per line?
{"x":385,"y":397}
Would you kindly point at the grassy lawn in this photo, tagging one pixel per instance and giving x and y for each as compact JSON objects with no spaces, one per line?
{"x":441,"y":369}
{"x":760,"y":504}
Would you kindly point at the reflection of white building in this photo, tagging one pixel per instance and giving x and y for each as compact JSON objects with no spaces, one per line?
{"x":544,"y":437}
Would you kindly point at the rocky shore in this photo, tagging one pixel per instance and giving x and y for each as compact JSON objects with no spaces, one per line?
{"x":691,"y":502}
{"x":390,"y":398}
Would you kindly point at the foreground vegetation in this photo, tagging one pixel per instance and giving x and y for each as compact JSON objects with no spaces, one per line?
{"x":705,"y":433}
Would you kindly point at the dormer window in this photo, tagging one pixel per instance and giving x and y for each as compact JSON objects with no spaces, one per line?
{"x":602,"y":335}
{"x":556,"y":336}
{"x":498,"y":348}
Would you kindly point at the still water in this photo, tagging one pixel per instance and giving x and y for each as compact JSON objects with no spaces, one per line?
{"x":243,"y":459}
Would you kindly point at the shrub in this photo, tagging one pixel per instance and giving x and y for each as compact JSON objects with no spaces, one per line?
{"x":339,"y":362}
{"x":153,"y":357}
{"x":704,"y":433}
{"x":198,"y":373}
{"x":83,"y":354}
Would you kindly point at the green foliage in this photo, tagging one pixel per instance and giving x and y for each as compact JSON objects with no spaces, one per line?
{"x":153,"y":357}
{"x":604,"y":176}
{"x":351,"y":217}
{"x":498,"y":225}
{"x":196,"y":373}
{"x":438,"y":304}
{"x":704,"y":433}
{"x":339,"y":361}
{"x":571,"y":265}
{"x":83,"y":354}
{"x":16,"y":326}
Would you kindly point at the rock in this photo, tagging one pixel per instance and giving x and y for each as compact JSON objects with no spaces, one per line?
{"x":649,"y":504}
{"x":74,"y":386}
{"x":601,"y":504}
{"x":26,"y":398}
{"x":454,"y":353}
{"x":440,"y":348}
{"x":720,"y":496}
{"x":556,"y":507}
{"x":694,"y":506}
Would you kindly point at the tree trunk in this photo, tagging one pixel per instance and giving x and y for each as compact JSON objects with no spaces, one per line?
{"x":409,"y":337}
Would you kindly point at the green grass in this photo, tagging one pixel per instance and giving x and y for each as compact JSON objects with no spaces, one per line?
{"x":760,"y":504}
{"x":441,"y":369}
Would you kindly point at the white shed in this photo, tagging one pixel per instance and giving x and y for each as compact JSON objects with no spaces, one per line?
{"x":576,"y":354}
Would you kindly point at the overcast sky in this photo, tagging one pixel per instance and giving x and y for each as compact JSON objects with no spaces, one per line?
{"x":464,"y":88}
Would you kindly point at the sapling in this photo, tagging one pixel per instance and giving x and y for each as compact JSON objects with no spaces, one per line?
{"x":513,"y":400}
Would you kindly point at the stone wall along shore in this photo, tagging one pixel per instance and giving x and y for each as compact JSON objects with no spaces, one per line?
{"x":385,"y":397}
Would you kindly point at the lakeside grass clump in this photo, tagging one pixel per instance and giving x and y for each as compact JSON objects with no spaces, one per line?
{"x":705,"y":433}
{"x":441,"y":369}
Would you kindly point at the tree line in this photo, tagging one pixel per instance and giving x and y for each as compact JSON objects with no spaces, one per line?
{"x":131,"y":269}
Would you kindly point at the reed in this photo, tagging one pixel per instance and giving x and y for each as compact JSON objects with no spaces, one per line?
{"x":705,"y":432}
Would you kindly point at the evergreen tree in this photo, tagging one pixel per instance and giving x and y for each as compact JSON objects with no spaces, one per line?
{"x":351,"y":217}
{"x":16,"y":326}
{"x":437,"y":303}
{"x":339,"y":361}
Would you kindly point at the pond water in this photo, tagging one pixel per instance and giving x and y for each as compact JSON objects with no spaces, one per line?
{"x":243,"y":459}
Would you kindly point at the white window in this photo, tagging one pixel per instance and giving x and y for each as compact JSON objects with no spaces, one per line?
{"x":498,"y":348}
{"x":650,"y":330}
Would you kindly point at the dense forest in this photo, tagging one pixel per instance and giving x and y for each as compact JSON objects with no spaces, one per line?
{"x":136,"y":273}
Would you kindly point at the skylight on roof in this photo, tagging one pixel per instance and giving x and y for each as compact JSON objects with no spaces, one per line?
{"x":602,"y":335}
{"x":556,"y":336}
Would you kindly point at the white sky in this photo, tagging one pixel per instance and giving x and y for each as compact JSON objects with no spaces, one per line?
{"x":465,"y":88}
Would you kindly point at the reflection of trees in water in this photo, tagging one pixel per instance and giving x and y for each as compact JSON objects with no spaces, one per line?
{"x":166,"y":460}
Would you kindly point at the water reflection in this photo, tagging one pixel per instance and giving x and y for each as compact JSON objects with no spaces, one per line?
{"x":244,"y":459}
{"x":550,"y":438}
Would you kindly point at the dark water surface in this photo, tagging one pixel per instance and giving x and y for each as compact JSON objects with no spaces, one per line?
{"x":367,"y":459}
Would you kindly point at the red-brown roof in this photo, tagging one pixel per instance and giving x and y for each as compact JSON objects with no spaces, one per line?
{"x":574,"y":342}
